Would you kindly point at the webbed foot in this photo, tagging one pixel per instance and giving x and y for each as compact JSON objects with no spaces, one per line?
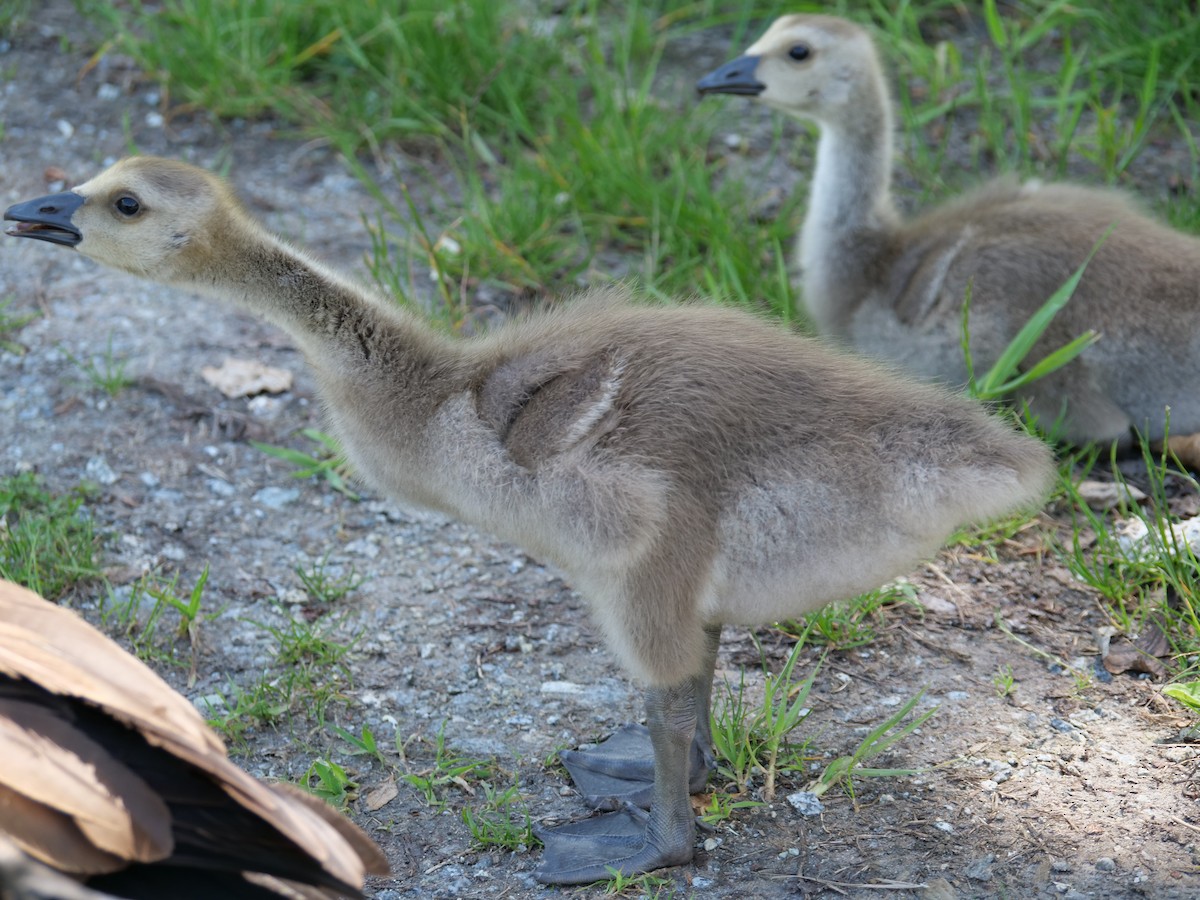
{"x":621,"y":769}
{"x":619,"y":842}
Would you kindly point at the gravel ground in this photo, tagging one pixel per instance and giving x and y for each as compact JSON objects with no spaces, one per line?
{"x":1054,"y":791}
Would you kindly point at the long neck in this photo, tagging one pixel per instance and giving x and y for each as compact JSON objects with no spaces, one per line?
{"x":850,"y":211}
{"x":338,"y":324}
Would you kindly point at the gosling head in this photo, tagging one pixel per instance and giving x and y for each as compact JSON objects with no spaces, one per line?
{"x":157,"y":218}
{"x":808,"y":66}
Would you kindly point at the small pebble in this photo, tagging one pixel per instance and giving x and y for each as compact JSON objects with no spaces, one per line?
{"x":806,"y":803}
{"x":1105,"y":864}
{"x":276,"y":497}
{"x":99,"y":471}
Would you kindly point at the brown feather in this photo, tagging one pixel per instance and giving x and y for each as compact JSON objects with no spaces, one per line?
{"x":57,"y":766}
{"x":51,"y":836}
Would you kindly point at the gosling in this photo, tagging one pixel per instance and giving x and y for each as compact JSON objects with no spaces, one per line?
{"x":894,"y":289}
{"x":686,"y":466}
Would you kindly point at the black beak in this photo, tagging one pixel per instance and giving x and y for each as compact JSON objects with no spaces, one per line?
{"x":735,"y":77}
{"x":46,"y":219}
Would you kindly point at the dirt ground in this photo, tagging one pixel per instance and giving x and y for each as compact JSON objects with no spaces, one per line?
{"x":1056,"y":791}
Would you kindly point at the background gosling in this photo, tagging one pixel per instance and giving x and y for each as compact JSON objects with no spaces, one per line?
{"x":894,"y":289}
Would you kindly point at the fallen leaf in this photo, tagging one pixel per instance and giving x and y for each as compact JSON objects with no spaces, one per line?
{"x":1140,"y":655}
{"x":937,"y":605}
{"x":246,"y":377}
{"x":381,"y":795}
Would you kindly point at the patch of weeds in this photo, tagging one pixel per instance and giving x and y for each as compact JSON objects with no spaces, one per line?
{"x":48,"y":543}
{"x":362,"y":745}
{"x":1187,"y":693}
{"x":324,"y":585}
{"x":845,"y":769}
{"x":309,"y":644}
{"x":751,"y":739}
{"x":327,"y":462}
{"x":360,"y":74}
{"x":262,"y":705}
{"x":502,"y":821}
{"x":721,"y":805}
{"x":655,"y":887}
{"x":1145,"y":567}
{"x":1004,"y":682}
{"x":106,"y":373}
{"x":161,"y":595}
{"x":447,"y":769}
{"x":607,"y":170}
{"x":984,"y":541}
{"x":12,"y":322}
{"x":313,"y":663}
{"x":844,"y":625}
{"x":13,"y":13}
{"x":329,"y":781}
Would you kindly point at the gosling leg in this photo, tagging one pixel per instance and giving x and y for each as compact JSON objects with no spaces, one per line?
{"x":630,"y":841}
{"x":620,"y":770}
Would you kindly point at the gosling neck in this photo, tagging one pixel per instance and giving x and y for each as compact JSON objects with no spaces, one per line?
{"x":335,"y":321}
{"x":850,"y":209}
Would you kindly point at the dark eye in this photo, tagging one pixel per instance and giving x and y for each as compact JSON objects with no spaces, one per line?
{"x":127,"y":206}
{"x":799,"y":52}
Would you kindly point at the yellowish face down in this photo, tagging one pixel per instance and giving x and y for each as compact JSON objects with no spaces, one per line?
{"x":153,"y":217}
{"x":803,"y":65}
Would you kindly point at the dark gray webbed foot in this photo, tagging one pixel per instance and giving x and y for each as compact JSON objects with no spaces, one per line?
{"x":624,"y":842}
{"x":621,"y":769}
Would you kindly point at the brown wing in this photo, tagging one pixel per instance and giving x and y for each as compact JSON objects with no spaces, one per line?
{"x":221,"y":817}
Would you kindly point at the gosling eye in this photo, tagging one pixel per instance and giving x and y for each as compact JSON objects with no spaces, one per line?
{"x":127,"y":206}
{"x":799,"y":52}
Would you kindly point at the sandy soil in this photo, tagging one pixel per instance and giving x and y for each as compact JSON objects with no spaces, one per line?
{"x":1058,"y":790}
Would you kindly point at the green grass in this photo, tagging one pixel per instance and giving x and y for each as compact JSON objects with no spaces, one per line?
{"x":752,"y":739}
{"x":446,"y":770}
{"x":501,"y":820}
{"x":14,"y":13}
{"x":151,"y":598}
{"x":327,"y":584}
{"x":368,"y":72}
{"x":12,"y":322}
{"x":851,"y":623}
{"x":561,"y":144}
{"x":1004,"y":682}
{"x":843,"y":770}
{"x":329,"y":781}
{"x":576,"y":163}
{"x":106,"y":372}
{"x":48,"y":542}
{"x":326,"y":461}
{"x":1153,"y":579}
{"x":309,"y":671}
